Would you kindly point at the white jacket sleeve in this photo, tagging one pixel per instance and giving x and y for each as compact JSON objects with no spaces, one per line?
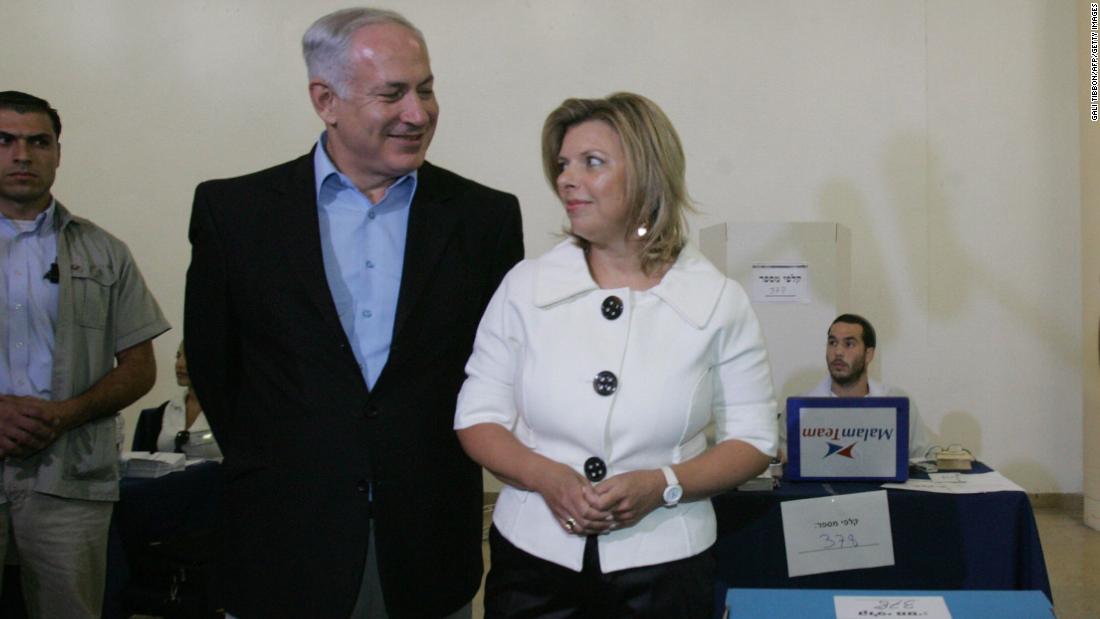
{"x":744,"y":399}
{"x":489,"y":393}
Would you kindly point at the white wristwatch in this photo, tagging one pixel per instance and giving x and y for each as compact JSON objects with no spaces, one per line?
{"x":673,"y":491}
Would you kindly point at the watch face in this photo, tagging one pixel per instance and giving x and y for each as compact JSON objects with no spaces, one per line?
{"x":672,"y":494}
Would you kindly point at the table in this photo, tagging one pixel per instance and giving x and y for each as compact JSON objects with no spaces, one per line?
{"x":184,"y":505}
{"x":941,"y":541}
{"x":818,"y":604}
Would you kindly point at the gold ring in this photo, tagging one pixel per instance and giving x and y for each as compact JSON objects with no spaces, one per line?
{"x":570,"y":524}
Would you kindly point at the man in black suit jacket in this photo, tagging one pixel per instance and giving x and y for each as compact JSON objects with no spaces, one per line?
{"x":327,"y":449}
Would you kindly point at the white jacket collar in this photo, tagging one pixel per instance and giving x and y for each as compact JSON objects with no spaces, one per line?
{"x":691,"y":287}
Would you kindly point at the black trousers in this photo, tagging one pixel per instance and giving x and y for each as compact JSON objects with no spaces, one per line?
{"x":523,"y":586}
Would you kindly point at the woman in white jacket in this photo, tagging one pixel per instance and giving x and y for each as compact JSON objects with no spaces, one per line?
{"x":595,"y":371}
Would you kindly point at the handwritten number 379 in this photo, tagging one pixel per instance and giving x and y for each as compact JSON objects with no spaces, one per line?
{"x":837,"y":541}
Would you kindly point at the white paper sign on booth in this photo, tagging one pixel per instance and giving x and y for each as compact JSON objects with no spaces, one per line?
{"x":861,"y":607}
{"x":780,"y":283}
{"x":837,"y":533}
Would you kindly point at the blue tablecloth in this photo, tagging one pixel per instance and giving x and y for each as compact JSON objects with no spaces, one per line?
{"x":941,"y":541}
{"x":151,"y":510}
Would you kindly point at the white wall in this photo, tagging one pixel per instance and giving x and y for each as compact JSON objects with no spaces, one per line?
{"x":943,"y":134}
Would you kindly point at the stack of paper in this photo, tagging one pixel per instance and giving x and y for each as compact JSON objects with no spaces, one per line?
{"x":145,"y":464}
{"x":960,"y":483}
{"x":763,"y":481}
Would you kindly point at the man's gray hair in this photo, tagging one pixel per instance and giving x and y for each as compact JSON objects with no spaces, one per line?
{"x":325,"y":46}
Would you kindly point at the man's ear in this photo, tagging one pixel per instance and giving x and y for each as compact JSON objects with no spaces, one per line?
{"x":869,"y":355}
{"x":324,"y":99}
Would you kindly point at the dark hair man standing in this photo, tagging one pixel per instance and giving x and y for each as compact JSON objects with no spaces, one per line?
{"x":331,"y":306}
{"x":76,"y":346}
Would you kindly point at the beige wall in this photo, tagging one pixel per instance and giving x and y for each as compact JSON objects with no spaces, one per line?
{"x":943,"y":134}
{"x":1090,"y":265}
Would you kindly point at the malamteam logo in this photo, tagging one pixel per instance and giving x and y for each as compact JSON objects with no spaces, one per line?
{"x":834,"y":437}
{"x":840,"y":450}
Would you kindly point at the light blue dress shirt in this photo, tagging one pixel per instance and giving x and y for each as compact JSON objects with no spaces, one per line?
{"x":363,"y":245}
{"x":27,"y":249}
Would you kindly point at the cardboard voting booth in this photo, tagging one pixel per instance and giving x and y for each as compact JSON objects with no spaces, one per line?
{"x":798,"y":277}
{"x":847,"y":439}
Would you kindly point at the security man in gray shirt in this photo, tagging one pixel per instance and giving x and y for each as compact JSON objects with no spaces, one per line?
{"x":76,"y":346}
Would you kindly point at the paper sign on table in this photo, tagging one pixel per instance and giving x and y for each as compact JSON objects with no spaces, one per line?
{"x":861,"y":607}
{"x":836,"y":533}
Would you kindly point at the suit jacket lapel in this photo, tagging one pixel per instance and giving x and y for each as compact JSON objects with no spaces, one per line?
{"x":300,"y":231}
{"x":431,"y":224}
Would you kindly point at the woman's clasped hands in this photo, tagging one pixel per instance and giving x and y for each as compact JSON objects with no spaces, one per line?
{"x":584,"y":508}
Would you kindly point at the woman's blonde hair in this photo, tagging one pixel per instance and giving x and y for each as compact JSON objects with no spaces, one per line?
{"x":656,"y":192}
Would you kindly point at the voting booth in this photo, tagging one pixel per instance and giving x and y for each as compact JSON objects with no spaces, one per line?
{"x":798,"y":276}
{"x":853,"y":604}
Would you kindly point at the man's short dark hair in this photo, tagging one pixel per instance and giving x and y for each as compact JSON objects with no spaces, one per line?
{"x":22,"y":102}
{"x":856,"y":319}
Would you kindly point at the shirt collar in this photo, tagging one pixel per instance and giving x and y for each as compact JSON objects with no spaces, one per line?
{"x":324,"y":168}
{"x":179,"y":402}
{"x":875,"y":389}
{"x":691,"y":287}
{"x":44,"y":223}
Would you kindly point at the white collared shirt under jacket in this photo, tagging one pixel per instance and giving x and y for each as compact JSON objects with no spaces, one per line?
{"x":684,"y":353}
